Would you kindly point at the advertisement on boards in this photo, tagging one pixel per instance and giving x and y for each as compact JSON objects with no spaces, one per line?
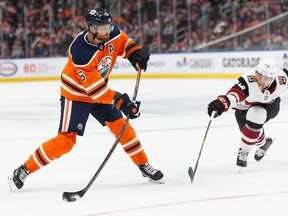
{"x":177,"y":65}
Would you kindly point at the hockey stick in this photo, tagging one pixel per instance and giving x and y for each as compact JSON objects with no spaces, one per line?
{"x":190,"y":170}
{"x":73,"y":196}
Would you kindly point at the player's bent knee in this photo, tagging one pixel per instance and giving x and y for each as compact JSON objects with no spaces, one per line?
{"x":115,"y":127}
{"x":61,"y":144}
{"x":257,"y":114}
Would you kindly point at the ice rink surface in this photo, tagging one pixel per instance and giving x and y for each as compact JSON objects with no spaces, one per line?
{"x":171,"y":129}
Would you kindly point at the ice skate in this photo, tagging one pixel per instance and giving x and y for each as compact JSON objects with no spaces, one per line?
{"x":260,"y":152}
{"x":17,"y":179}
{"x":152,"y":174}
{"x":242,"y":159}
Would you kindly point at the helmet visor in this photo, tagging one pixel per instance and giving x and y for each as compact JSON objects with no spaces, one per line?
{"x":103,"y":29}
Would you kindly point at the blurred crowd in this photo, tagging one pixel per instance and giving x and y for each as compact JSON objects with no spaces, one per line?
{"x":45,"y":28}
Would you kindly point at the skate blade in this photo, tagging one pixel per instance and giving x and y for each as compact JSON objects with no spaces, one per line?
{"x":11,"y":184}
{"x":156,"y":182}
{"x":240,"y":169}
{"x":161,"y":181}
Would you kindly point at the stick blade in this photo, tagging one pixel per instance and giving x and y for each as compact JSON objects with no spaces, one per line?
{"x":72,"y":196}
{"x":191,"y":174}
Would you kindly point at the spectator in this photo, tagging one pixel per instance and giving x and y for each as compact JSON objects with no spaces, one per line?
{"x":52,"y":21}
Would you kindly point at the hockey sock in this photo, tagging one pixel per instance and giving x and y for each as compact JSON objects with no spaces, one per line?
{"x":50,"y":150}
{"x":252,"y":136}
{"x":129,"y":141}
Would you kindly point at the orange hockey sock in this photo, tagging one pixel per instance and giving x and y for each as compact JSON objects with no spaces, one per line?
{"x":48,"y":151}
{"x":129,"y":141}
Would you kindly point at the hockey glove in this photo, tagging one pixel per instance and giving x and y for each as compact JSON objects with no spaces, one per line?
{"x":220,"y":105}
{"x":137,"y":56}
{"x":127,"y":106}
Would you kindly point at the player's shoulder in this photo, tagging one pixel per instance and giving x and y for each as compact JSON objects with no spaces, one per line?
{"x":282,"y":72}
{"x":115,"y":33}
{"x":248,"y":76}
{"x":81,"y":51}
{"x":281,"y":77}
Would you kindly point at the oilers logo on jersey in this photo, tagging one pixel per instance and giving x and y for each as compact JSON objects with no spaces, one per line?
{"x":104,"y":66}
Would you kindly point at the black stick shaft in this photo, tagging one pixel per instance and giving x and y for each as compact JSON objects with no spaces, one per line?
{"x":190,"y":170}
{"x":119,"y":136}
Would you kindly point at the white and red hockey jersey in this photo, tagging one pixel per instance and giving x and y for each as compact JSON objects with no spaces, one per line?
{"x":247,"y":92}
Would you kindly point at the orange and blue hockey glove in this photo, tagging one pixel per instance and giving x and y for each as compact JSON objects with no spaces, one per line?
{"x":137,"y":56}
{"x":127,"y":106}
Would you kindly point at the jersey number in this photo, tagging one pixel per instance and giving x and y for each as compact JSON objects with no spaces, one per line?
{"x":82,"y":76}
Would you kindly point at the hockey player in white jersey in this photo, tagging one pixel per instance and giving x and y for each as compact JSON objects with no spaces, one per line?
{"x":256,"y":100}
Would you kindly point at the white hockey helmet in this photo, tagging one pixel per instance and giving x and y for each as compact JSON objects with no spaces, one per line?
{"x":267,"y":67}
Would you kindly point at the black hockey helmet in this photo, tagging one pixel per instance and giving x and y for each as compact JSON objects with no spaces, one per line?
{"x":97,"y":16}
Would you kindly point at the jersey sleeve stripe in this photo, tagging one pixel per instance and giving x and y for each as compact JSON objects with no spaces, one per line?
{"x":95,"y":84}
{"x":97,"y":90}
{"x":100,"y":94}
{"x":127,"y":43}
{"x":73,"y":92}
{"x":72,"y":81}
{"x":70,"y":85}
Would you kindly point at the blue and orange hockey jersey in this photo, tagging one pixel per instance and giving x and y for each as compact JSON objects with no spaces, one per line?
{"x":85,"y":76}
